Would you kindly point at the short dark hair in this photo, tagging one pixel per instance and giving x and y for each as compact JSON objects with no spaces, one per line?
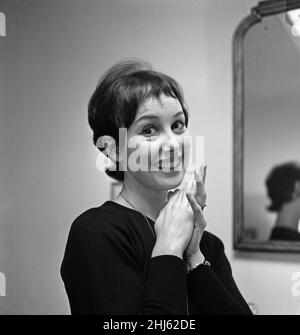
{"x":119,"y":94}
{"x":280,"y":184}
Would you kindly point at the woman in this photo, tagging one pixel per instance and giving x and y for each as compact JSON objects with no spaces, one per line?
{"x":146,"y":251}
{"x":283,"y":186}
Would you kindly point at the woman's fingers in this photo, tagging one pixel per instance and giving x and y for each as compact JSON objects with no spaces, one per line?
{"x":200,"y":176}
{"x":193,"y":184}
{"x":199,"y":221}
{"x":171,"y":194}
{"x":185,"y":184}
{"x":204,"y":174}
{"x":195,"y":206}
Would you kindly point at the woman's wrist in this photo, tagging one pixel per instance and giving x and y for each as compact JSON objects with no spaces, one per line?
{"x":194,"y":260}
{"x":163,"y":250}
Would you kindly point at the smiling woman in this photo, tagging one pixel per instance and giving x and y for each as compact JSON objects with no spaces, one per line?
{"x":160,"y":133}
{"x":138,"y":95}
{"x":146,"y":251}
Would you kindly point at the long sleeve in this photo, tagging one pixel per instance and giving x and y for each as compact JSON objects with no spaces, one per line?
{"x":102,"y":275}
{"x":212,"y":290}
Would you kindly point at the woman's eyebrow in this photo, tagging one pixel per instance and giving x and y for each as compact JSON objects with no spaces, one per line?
{"x":151,"y":116}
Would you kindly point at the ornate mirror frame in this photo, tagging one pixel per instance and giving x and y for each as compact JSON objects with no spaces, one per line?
{"x":263,"y":9}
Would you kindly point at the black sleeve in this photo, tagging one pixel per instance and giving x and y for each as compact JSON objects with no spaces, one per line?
{"x":212,"y":289}
{"x":101,"y":275}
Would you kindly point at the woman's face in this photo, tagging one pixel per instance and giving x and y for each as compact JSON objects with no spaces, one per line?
{"x":158,"y":145}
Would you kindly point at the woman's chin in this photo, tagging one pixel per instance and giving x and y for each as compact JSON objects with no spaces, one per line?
{"x":171,"y":179}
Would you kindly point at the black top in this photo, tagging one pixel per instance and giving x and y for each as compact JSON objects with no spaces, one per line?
{"x":107,"y":269}
{"x":285,"y":234}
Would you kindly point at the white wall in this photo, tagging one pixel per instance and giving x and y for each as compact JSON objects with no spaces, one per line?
{"x":52,"y":57}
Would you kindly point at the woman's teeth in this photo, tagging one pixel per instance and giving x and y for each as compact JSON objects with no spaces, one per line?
{"x":167,"y":166}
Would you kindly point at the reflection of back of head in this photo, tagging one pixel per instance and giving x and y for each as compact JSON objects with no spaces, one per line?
{"x":283,"y":186}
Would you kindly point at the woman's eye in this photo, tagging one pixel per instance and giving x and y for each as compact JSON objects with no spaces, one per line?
{"x":150,"y":131}
{"x":147,"y":131}
{"x":181,"y":124}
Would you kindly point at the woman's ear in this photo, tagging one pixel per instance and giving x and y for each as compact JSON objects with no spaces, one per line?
{"x":107,"y":146}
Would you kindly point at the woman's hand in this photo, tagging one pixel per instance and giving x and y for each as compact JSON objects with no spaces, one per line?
{"x":174,"y":226}
{"x":197,"y":201}
{"x":195,"y":190}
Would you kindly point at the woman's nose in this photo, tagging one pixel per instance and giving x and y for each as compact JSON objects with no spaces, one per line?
{"x":170,"y":143}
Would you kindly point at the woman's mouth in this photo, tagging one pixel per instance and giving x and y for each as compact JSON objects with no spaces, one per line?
{"x":167,"y":166}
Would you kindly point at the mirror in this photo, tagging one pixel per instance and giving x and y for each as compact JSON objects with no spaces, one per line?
{"x":266,"y":68}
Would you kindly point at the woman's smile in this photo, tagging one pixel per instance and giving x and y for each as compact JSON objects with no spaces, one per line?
{"x":169,"y":165}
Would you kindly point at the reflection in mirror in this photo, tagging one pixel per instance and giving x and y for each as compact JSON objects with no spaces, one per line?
{"x":272,"y":127}
{"x":283,"y":187}
{"x":267,"y":131}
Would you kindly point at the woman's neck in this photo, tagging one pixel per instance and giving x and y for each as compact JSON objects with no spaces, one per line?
{"x":288,"y":217}
{"x":147,"y":201}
